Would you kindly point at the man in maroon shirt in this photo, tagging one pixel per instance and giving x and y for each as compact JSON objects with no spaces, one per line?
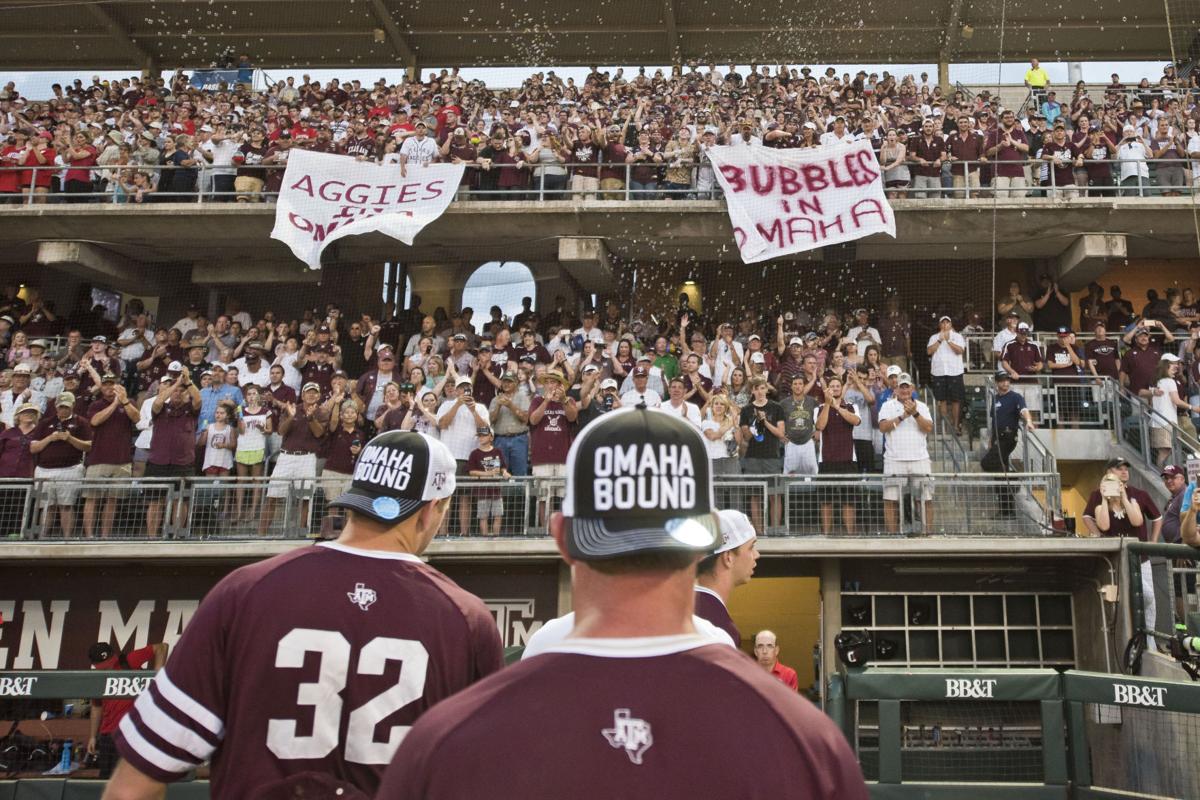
{"x":1102,"y":356}
{"x":965,"y":150}
{"x":1023,"y":360}
{"x":302,"y":428}
{"x":623,"y":707}
{"x":731,"y":565}
{"x":926,"y":153}
{"x":112,"y":418}
{"x":551,"y":426}
{"x":106,"y":715}
{"x":1139,"y":365}
{"x":1007,"y":148}
{"x":300,"y":675}
{"x":16,"y":459}
{"x":836,"y":421}
{"x":60,"y":442}
{"x":175,"y":410}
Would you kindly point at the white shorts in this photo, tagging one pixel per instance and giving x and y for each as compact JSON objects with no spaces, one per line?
{"x":334,"y":484}
{"x":61,"y":484}
{"x":554,"y":488}
{"x":291,"y":466}
{"x":800,"y":459}
{"x":901,"y":472}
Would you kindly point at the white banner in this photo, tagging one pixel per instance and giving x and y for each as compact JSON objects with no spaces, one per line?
{"x":325,"y":197}
{"x":789,"y":201}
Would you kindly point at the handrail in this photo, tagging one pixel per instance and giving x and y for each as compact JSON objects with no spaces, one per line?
{"x":1144,"y":186}
{"x":1134,"y":423}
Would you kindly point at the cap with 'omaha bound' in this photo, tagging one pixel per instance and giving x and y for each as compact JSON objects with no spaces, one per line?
{"x":638,"y":480}
{"x":397,"y":473}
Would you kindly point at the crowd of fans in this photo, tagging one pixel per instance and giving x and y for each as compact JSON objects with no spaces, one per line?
{"x":644,"y":133}
{"x":803,"y":394}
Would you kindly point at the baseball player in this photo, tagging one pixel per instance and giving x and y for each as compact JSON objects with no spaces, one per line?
{"x":300,"y":675}
{"x":634,"y":703}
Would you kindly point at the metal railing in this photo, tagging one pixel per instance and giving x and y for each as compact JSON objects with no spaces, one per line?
{"x":981,"y":358}
{"x":1075,"y":402}
{"x":1134,"y":424}
{"x":106,"y":185}
{"x":869,"y":504}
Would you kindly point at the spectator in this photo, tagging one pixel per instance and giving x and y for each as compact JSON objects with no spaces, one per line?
{"x":800,"y":410}
{"x":766,"y":652}
{"x":945,"y":350}
{"x":175,"y":409}
{"x":836,"y":422}
{"x":16,"y":458}
{"x":344,"y":440}
{"x":1168,"y":148}
{"x":106,"y":714}
{"x":764,"y":430}
{"x":1036,"y":79}
{"x":1165,"y":401}
{"x":860,"y":393}
{"x":926,"y":151}
{"x":254,"y":425}
{"x":1052,"y":308}
{"x":218,"y":391}
{"x":19,"y":393}
{"x":1132,"y":153}
{"x":218,"y":441}
{"x":252,"y":367}
{"x":486,"y":461}
{"x":422,"y":417}
{"x":59,"y":445}
{"x":640,"y":393}
{"x":596,"y":396}
{"x":1118,"y":509}
{"x":722,"y":435}
{"x":276,"y":396}
{"x":112,"y":417}
{"x":1139,"y":364}
{"x":371,"y":384}
{"x":302,"y":428}
{"x":459,"y":417}
{"x":677,"y":404}
{"x":906,"y":424}
{"x":551,"y":418}
{"x":394,"y":409}
{"x":1023,"y":359}
{"x":893,"y":157}
{"x":895,"y":335}
{"x":1007,"y":148}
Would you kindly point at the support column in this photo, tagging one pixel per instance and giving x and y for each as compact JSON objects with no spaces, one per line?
{"x":943,"y":77}
{"x":1074,"y":72}
{"x":100,"y":266}
{"x":1088,"y":258}
{"x":586,"y":261}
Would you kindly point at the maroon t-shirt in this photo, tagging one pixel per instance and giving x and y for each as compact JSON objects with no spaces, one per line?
{"x":61,"y":454}
{"x":710,"y":607}
{"x":112,"y":440}
{"x":1104,"y":353}
{"x":316,"y":661}
{"x":1121,"y":527}
{"x":320,"y":374}
{"x":338,"y":442}
{"x":965,"y":149}
{"x":1022,"y":356}
{"x":480,"y":461}
{"x":642,"y":718}
{"x":550,"y":439}
{"x":837,"y":440}
{"x":284,"y":394}
{"x":930,"y":151}
{"x":299,"y":437}
{"x":1141,"y":366}
{"x":1063,"y":173}
{"x":173,"y":434}
{"x":15,"y":459}
{"x":1009,"y":162}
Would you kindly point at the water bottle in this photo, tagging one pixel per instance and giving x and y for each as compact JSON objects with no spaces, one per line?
{"x":1188,"y":494}
{"x":64,"y":763}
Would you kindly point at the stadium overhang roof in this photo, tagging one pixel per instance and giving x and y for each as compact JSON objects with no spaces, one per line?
{"x":87,"y":34}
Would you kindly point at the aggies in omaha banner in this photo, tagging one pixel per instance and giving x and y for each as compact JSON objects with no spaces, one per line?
{"x":789,"y":201}
{"x":325,"y":197}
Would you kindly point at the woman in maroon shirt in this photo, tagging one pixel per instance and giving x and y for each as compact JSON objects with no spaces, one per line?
{"x":343,"y":443}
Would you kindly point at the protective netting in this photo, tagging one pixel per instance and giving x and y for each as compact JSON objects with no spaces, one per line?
{"x":1146,"y":752}
{"x":959,"y":742}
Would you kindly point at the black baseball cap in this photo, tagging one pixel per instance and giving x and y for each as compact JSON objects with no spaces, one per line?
{"x":1117,"y":462}
{"x":638,"y":480}
{"x":397,"y":473}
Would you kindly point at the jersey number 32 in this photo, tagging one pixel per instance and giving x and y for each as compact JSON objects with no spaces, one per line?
{"x":325,"y":695}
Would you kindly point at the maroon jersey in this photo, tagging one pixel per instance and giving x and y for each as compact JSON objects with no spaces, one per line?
{"x":58,"y":455}
{"x":112,"y":440}
{"x":1141,"y":365}
{"x":1104,"y":353}
{"x":712,"y":608}
{"x":1120,"y":526}
{"x":1022,"y":356}
{"x":837,"y":440}
{"x":271,"y":683}
{"x":644,"y":727}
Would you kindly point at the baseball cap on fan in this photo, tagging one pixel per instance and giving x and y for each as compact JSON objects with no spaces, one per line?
{"x":638,"y":481}
{"x":397,"y":473}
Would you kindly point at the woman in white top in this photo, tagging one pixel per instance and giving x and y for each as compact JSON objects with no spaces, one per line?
{"x":254,"y":425}
{"x":422,"y":417}
{"x":550,"y":178}
{"x":285,"y":356}
{"x":1164,"y":399}
{"x":722,"y":435}
{"x":145,"y":427}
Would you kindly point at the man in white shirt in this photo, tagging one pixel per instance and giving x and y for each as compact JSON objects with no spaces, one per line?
{"x":135,"y":340}
{"x":678,"y":406}
{"x":589,"y":330}
{"x":417,"y":149}
{"x":641,"y":393}
{"x":19,"y":393}
{"x":863,"y":329}
{"x":459,"y":420}
{"x":839,"y":134}
{"x":905,"y":423}
{"x":945,"y":350}
{"x":1005,"y":335}
{"x":188,"y":324}
{"x":1133,"y":154}
{"x":745,"y":136}
{"x":252,"y":367}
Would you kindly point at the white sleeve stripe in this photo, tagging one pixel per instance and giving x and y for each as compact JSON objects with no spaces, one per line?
{"x":171,"y":731}
{"x":134,"y":738}
{"x":176,"y":697}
